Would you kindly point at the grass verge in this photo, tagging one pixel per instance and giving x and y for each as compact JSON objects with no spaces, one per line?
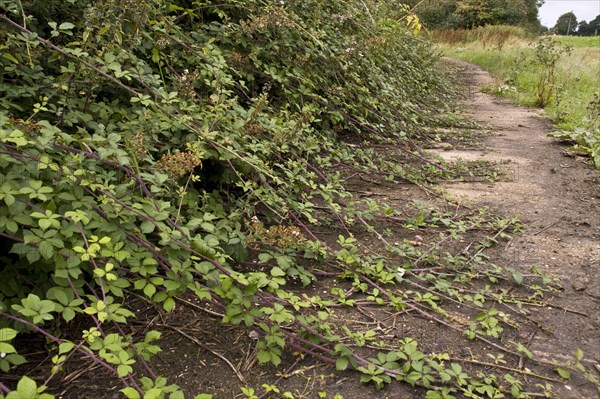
{"x":559,"y":74}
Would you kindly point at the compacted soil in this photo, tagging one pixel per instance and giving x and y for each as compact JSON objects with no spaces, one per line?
{"x":557,"y":197}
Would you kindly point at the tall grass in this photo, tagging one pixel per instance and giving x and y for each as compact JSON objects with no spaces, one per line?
{"x":578,"y":41}
{"x":519,"y":70}
{"x":490,"y":36}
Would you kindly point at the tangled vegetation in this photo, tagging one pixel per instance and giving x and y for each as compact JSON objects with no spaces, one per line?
{"x":158,"y":150}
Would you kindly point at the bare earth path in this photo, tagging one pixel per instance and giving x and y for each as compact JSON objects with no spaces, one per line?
{"x":558,"y":200}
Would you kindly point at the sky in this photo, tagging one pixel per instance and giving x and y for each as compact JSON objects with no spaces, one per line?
{"x":583,"y":10}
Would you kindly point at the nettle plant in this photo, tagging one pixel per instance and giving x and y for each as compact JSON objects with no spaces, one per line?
{"x":147,"y":149}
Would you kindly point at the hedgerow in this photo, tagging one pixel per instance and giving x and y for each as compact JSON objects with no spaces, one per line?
{"x":150,"y":148}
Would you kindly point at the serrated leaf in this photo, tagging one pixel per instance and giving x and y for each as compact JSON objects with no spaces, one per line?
{"x":59,"y":295}
{"x":277,"y":272}
{"x":90,"y":310}
{"x":155,"y":55}
{"x":7,"y":334}
{"x":99,"y":272}
{"x":201,"y":247}
{"x":123,"y":370}
{"x":341,"y":364}
{"x":66,"y":26}
{"x":578,"y":355}
{"x":130,"y":393}
{"x":16,"y":359}
{"x":264,"y":257}
{"x":263,"y":357}
{"x":153,"y":393}
{"x":27,"y":387}
{"x":5,"y":347}
{"x":147,"y":227}
{"x":152,"y":336}
{"x":46,"y":250}
{"x":68,"y":314}
{"x":65,"y":347}
{"x":45,"y":224}
{"x":563,"y":372}
{"x":518,"y":277}
{"x":169,"y":305}
{"x":9,"y":199}
{"x":515,"y":391}
{"x":46,"y":306}
{"x":177,"y":395}
{"x":208,"y":227}
{"x":433,"y":395}
{"x":275,"y":359}
{"x":149,"y":290}
{"x":212,"y":240}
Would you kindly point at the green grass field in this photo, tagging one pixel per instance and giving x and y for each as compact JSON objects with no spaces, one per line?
{"x":517,"y":76}
{"x":558,"y":73}
{"x":577,"y":42}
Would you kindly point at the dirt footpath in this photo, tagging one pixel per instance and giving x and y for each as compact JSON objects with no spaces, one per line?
{"x":557,"y":198}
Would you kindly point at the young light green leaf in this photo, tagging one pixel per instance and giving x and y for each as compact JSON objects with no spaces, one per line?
{"x":563,"y":372}
{"x":518,"y":277}
{"x":578,"y":355}
{"x":7,"y":334}
{"x":130,"y":393}
{"x":27,"y":387}
{"x":66,"y":26}
{"x":341,"y":364}
{"x":65,"y":347}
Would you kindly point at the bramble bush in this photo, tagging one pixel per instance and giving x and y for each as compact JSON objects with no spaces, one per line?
{"x":148,"y":148}
{"x":140,"y":139}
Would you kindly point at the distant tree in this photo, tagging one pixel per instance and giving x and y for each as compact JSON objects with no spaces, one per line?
{"x":533,"y":16}
{"x":591,"y":28}
{"x":594,"y":25}
{"x":566,"y":24}
{"x":583,"y":28}
{"x":437,"y":14}
{"x":516,"y":12}
{"x":507,"y":12}
{"x":474,"y":13}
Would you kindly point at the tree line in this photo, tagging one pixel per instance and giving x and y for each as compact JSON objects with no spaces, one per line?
{"x":469,"y":14}
{"x":567,"y":24}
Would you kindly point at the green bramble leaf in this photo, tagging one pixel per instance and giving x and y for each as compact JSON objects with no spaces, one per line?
{"x":7,"y":334}
{"x":130,"y":393}
{"x":341,"y":364}
{"x":66,"y":26}
{"x":26,"y":388}
{"x":563,"y":372}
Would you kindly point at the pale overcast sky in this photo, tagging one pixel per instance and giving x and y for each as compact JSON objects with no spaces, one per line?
{"x":583,"y":10}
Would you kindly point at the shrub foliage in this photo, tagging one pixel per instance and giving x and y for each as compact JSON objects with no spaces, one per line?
{"x":147,"y":145}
